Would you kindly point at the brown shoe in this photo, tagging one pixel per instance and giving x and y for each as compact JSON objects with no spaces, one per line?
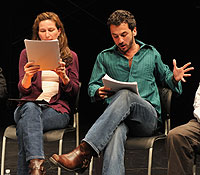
{"x":36,"y":167}
{"x":78,"y":160}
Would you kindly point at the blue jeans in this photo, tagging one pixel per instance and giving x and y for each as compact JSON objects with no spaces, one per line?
{"x":32,"y":120}
{"x":127,"y":113}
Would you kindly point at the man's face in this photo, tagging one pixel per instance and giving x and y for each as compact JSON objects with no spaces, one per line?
{"x":123,"y":36}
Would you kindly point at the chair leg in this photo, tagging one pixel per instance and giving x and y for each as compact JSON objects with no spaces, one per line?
{"x":91,"y":166}
{"x":194,"y":169}
{"x":3,"y":155}
{"x":76,"y":118}
{"x":77,"y":129}
{"x":195,"y":166}
{"x":60,"y":152}
{"x":150,"y":160}
{"x":149,"y":163}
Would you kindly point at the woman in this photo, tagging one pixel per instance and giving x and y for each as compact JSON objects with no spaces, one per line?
{"x":57,"y":87}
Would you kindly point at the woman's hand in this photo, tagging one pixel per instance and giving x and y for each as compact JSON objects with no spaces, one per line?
{"x":30,"y":69}
{"x":60,"y":70}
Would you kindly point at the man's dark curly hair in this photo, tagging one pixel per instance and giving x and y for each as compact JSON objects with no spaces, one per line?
{"x":122,"y":16}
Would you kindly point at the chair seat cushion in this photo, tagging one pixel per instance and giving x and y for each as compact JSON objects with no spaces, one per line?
{"x":49,"y":136}
{"x":137,"y":143}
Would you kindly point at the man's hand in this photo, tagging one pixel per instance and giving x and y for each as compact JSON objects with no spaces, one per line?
{"x":180,"y":73}
{"x":103,"y":92}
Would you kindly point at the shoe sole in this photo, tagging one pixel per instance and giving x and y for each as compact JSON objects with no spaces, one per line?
{"x":78,"y":170}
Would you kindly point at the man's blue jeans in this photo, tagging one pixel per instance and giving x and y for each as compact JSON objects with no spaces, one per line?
{"x":32,"y":120}
{"x":127,"y":113}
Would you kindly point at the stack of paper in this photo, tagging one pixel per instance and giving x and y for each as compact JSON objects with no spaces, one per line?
{"x":117,"y":85}
{"x":43,"y":53}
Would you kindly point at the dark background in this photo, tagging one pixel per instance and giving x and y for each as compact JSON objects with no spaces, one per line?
{"x":172,"y":27}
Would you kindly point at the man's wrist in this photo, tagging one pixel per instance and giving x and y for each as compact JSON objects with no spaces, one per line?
{"x":174,"y":80}
{"x":97,"y":96}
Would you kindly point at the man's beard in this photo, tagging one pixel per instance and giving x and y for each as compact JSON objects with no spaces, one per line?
{"x":129,"y":46}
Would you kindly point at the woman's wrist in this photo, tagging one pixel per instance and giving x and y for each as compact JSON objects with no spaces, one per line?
{"x":65,"y":80}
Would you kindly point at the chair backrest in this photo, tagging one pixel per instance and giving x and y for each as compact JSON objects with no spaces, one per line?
{"x":74,"y":109}
{"x":74,"y":102}
{"x":77,"y":99}
{"x":165,"y":99}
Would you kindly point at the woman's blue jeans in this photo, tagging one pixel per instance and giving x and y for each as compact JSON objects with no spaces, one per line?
{"x":127,"y":113}
{"x":32,"y":120}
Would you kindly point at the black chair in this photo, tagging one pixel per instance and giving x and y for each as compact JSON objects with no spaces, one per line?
{"x":50,"y":136}
{"x":143,"y":143}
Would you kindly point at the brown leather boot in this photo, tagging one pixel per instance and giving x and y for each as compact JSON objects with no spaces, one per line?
{"x":36,"y":167}
{"x":78,"y":160}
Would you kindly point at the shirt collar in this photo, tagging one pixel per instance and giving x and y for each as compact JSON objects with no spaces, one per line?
{"x":142,"y":45}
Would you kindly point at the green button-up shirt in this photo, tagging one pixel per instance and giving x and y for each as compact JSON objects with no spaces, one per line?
{"x":147,"y":68}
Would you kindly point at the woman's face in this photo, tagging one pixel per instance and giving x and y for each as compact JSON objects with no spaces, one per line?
{"x":48,"y":30}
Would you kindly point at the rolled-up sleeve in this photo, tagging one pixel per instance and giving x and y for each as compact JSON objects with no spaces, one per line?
{"x":96,"y":78}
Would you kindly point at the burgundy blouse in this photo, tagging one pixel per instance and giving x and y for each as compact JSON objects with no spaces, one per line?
{"x":61,"y":102}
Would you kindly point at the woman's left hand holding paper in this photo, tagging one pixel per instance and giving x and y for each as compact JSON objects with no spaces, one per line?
{"x":60,"y":70}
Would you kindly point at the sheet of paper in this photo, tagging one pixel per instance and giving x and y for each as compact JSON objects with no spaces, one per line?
{"x":117,"y":85}
{"x":43,"y":53}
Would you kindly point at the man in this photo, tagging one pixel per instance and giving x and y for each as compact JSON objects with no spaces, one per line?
{"x":183,"y":142}
{"x":3,"y":98}
{"x":129,"y":60}
{"x":3,"y":86}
